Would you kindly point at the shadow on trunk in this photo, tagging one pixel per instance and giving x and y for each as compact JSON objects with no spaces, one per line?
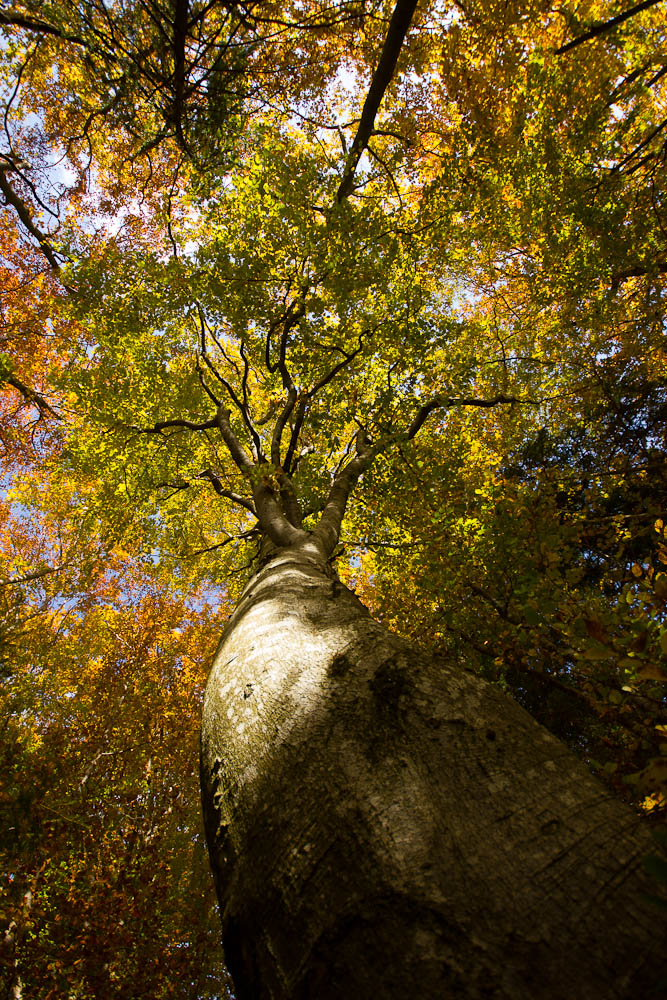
{"x":380,"y":822}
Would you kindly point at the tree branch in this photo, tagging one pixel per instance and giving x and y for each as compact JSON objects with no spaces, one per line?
{"x":658,"y":267}
{"x":38,"y":574}
{"x":267,"y":509}
{"x":242,"y":407}
{"x":283,"y":417}
{"x":289,"y":499}
{"x":272,"y":518}
{"x":14,"y":20}
{"x":30,"y":395}
{"x":234,"y":446}
{"x":244,"y":380}
{"x":328,"y":527}
{"x":190,"y":425}
{"x":227,"y":494}
{"x":605,"y":26}
{"x":291,"y":317}
{"x":23,"y":212}
{"x":447,"y":402}
{"x":308,"y":396}
{"x":243,"y":536}
{"x":398,"y":29}
{"x":179,"y":39}
{"x":202,"y":381}
{"x":638,"y":148}
{"x":296,"y":432}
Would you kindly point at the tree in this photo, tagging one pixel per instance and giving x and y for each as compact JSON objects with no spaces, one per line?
{"x":255,"y":300}
{"x":105,"y":883}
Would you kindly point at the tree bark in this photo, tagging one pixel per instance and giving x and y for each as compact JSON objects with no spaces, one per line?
{"x":382,"y":824}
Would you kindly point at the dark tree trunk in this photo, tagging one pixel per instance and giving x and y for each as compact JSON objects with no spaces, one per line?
{"x":383,"y":825}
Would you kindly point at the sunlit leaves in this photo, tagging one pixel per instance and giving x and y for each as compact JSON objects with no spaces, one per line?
{"x":100,"y":714}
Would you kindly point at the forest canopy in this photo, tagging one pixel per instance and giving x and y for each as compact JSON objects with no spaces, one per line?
{"x":251,"y":249}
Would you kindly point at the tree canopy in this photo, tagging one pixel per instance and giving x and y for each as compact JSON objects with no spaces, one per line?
{"x":259,"y":260}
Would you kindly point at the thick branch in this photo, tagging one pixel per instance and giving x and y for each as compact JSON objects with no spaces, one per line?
{"x":30,"y":395}
{"x":296,"y":312}
{"x":658,"y":267}
{"x":600,"y":29}
{"x":11,"y":198}
{"x":17,"y":20}
{"x":202,"y":381}
{"x":38,"y":574}
{"x":327,"y":531}
{"x":244,"y":379}
{"x":290,"y":500}
{"x":296,"y":431}
{"x":180,"y":24}
{"x":279,"y":427}
{"x":190,"y":425}
{"x":291,"y":317}
{"x":268,"y":510}
{"x":272,"y":519}
{"x":398,"y":29}
{"x":209,"y":475}
{"x":447,"y":402}
{"x":234,"y":446}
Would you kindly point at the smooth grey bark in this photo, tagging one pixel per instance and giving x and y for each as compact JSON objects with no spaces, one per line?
{"x":382,"y":824}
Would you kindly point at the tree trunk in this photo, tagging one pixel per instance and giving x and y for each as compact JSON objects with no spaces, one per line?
{"x":384,"y":825}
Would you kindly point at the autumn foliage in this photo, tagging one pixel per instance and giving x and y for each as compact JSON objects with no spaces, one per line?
{"x":172,"y":230}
